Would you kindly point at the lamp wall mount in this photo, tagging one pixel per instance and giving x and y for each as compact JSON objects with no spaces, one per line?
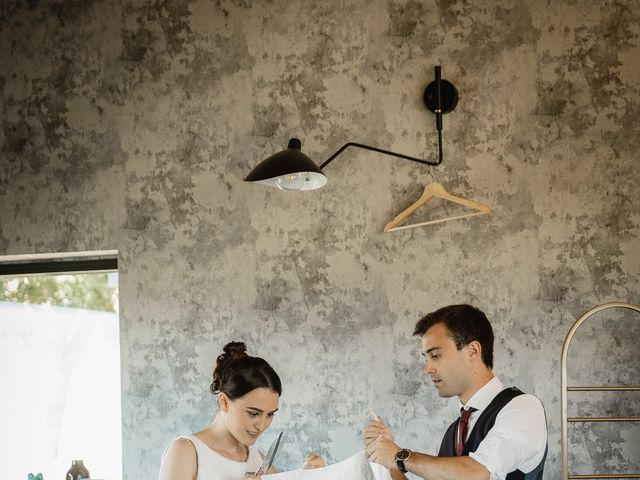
{"x":441,"y":97}
{"x":448,"y":96}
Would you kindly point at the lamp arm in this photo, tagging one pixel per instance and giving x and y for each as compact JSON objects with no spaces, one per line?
{"x":379,"y":150}
{"x":437,"y":109}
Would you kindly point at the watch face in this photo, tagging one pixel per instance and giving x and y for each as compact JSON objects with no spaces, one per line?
{"x":403,"y":454}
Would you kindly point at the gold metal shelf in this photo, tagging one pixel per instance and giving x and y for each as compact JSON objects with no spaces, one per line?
{"x":603,"y":389}
{"x":603,"y":419}
{"x":607,"y":475}
{"x":565,"y":389}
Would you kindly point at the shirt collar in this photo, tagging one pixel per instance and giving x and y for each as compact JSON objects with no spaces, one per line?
{"x":483,"y":397}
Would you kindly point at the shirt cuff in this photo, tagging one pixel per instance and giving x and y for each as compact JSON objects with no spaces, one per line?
{"x":494,"y":474}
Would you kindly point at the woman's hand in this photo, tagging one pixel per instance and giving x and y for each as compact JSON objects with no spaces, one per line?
{"x":313,"y":461}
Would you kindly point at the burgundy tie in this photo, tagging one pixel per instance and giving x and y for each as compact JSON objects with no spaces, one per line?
{"x":463,"y":426}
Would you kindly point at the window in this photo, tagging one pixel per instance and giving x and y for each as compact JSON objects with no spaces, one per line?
{"x":60,"y":365}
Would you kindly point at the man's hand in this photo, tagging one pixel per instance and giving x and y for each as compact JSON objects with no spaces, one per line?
{"x":382,"y":450}
{"x":374,"y":429}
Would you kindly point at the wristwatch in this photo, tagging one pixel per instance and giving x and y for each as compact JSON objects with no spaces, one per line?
{"x":402,"y":456}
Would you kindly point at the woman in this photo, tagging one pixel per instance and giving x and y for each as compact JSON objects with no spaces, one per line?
{"x":248,"y":391}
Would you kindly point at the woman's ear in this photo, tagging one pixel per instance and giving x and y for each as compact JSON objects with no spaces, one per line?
{"x":223,"y":402}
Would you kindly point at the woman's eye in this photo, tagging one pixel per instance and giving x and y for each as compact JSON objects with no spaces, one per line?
{"x":272,"y":414}
{"x":253,"y":414}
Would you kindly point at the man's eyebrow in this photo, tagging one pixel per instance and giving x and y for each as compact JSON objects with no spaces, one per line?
{"x":430,"y":350}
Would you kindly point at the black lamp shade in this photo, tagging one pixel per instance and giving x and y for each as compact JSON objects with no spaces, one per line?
{"x":289,"y":170}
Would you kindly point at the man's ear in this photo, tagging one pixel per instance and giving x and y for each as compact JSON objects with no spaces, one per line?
{"x":475,"y":350}
{"x":223,"y":402}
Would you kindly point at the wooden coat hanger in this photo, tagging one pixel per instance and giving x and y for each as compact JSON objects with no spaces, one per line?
{"x":435,"y":190}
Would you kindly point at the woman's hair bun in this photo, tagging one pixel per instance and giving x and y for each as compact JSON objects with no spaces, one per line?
{"x":237,"y":373}
{"x":232,"y":351}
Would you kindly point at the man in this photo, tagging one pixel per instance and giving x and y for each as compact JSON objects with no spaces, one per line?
{"x":501,"y":433}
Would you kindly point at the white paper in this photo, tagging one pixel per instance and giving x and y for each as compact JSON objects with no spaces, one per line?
{"x":380,"y":472}
{"x":356,"y":467}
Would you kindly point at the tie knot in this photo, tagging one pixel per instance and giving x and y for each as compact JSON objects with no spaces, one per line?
{"x":465,"y":414}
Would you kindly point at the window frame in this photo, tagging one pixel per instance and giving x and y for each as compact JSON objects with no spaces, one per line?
{"x":67,"y":263}
{"x":58,"y":263}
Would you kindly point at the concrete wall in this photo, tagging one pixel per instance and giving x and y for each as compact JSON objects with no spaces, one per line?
{"x":130,"y":125}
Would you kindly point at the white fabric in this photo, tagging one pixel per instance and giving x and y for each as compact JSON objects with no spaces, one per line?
{"x":213,"y":466}
{"x":356,"y":467}
{"x":518,"y":438}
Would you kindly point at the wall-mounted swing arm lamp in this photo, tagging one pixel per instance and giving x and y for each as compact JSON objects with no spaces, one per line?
{"x":292,"y":170}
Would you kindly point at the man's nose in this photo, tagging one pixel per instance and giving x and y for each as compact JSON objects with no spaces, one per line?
{"x":428,"y":367}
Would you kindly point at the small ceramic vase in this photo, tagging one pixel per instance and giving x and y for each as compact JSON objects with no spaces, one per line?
{"x":77,"y":471}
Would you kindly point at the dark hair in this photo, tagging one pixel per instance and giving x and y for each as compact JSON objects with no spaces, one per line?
{"x":465,"y":324}
{"x":237,"y":373}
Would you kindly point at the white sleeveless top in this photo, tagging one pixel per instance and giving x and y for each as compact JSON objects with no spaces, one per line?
{"x":213,"y":466}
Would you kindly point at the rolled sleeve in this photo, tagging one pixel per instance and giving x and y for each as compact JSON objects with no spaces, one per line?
{"x":517,"y":441}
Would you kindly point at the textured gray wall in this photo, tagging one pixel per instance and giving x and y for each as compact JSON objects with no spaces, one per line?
{"x":130,"y":125}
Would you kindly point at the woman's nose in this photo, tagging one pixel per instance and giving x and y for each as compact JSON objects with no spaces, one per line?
{"x":261,"y":423}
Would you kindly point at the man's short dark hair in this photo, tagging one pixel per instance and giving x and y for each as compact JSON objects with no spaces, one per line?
{"x":465,"y":324}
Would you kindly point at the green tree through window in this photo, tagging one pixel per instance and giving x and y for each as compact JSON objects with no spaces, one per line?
{"x":90,"y":292}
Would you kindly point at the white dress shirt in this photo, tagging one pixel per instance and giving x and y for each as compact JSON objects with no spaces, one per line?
{"x":518,"y":439}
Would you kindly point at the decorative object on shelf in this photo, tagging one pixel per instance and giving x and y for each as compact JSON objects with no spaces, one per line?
{"x":435,"y":190}
{"x":77,"y":471}
{"x":291,"y":170}
{"x":31,"y":476}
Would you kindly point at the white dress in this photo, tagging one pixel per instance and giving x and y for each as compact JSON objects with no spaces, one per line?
{"x":213,"y":466}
